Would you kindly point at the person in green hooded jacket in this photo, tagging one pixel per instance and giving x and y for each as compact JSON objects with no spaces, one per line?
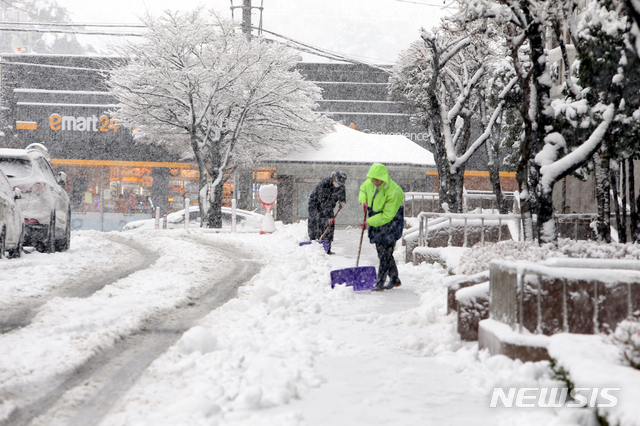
{"x":383,"y":199}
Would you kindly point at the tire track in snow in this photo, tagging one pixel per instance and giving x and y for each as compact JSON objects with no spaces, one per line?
{"x":21,"y":314}
{"x":86,"y":396}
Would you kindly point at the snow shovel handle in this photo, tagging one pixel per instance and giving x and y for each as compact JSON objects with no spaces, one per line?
{"x":361,"y":236}
{"x":334,"y":218}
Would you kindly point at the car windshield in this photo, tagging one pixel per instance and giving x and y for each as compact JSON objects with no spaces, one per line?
{"x":15,"y":167}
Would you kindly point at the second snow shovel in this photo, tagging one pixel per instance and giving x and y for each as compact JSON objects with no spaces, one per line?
{"x":360,"y":278}
{"x":324,"y":243}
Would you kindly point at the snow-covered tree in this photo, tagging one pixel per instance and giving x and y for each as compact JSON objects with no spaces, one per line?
{"x":507,"y":127}
{"x":544,"y":155}
{"x":608,"y":73}
{"x":199,"y":87}
{"x":441,"y":80}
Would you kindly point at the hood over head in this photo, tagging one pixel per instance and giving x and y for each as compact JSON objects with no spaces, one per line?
{"x":378,"y":171}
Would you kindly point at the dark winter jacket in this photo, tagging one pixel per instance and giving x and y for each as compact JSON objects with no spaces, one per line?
{"x":322,"y":202}
{"x":385,"y":206}
{"x":325,"y":197}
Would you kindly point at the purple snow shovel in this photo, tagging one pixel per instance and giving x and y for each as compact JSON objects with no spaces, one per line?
{"x":324,"y":243}
{"x":360,"y":278}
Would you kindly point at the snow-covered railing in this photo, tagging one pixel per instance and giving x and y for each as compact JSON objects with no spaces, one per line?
{"x":585,"y":296}
{"x":430,"y":201}
{"x":420,"y":202}
{"x":437,"y":221}
{"x":576,"y":219}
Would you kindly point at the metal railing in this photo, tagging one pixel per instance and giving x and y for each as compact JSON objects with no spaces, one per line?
{"x":464,"y":220}
{"x":430,"y":201}
{"x":574,"y":226}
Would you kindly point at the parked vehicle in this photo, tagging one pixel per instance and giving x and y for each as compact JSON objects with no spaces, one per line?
{"x":44,"y":203}
{"x":245,"y":220}
{"x":11,"y":220}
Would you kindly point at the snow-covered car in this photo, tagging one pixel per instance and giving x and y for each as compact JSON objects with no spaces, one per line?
{"x":245,"y":220}
{"x":44,"y":203}
{"x":11,"y":220}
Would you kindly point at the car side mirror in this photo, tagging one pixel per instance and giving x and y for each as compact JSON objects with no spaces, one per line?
{"x":17,"y":193}
{"x":62,"y":178}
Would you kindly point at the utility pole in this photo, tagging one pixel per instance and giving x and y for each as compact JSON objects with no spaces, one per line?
{"x":247,"y":8}
{"x":246,"y":18}
{"x":243,"y":182}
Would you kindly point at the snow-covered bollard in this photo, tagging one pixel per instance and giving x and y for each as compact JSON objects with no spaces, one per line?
{"x":268,"y":195}
{"x":157,"y":224}
{"x":233,"y":215}
{"x":187,"y":213}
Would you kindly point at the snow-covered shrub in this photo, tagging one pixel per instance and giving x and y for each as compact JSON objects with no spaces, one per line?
{"x":627,"y":337}
{"x":477,"y":259}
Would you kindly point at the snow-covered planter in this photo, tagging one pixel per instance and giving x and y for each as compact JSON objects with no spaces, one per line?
{"x":457,"y":282}
{"x":472,"y":306}
{"x":447,"y":257}
{"x":583,"y":296}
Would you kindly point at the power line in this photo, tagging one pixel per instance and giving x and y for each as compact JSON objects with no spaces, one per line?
{"x":73,"y":24}
{"x":45,"y":30}
{"x":307,"y":48}
{"x":297,"y":45}
{"x":29,"y":64}
{"x":427,"y":4}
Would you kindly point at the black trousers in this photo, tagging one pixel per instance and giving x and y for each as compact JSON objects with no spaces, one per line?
{"x":317,"y":225}
{"x":387,"y":265}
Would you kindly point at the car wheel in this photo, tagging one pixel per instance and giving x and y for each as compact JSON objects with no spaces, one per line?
{"x":63,"y":244}
{"x":17,"y":252}
{"x":3,"y":235}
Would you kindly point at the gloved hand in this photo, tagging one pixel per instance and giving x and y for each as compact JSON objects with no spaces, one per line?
{"x":364,"y":204}
{"x":341,"y":205}
{"x":332,"y":222}
{"x":364,"y":225}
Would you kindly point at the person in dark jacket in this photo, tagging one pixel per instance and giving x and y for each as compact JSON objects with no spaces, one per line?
{"x":383,"y":199}
{"x":322,"y":201}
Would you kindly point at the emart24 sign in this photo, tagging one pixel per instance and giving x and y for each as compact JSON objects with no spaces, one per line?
{"x":67,"y":123}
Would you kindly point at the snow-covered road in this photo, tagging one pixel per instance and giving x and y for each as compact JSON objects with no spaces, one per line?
{"x":286,"y":350}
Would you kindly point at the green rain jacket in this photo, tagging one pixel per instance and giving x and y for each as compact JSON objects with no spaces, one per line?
{"x":386,"y":210}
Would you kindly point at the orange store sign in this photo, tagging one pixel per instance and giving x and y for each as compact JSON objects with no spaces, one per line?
{"x":103,"y":123}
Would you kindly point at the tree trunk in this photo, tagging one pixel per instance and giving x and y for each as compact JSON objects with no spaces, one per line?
{"x":547,"y":229}
{"x":493,"y":166}
{"x":633,"y":210}
{"x":457,"y":178}
{"x":442,"y":164}
{"x":456,"y":191}
{"x":494,"y":178}
{"x":214,"y":218}
{"x":600,"y":194}
{"x":603,"y":223}
{"x":522,"y":177}
{"x":616,"y":205}
{"x":622,"y":235}
{"x":543,"y":120}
